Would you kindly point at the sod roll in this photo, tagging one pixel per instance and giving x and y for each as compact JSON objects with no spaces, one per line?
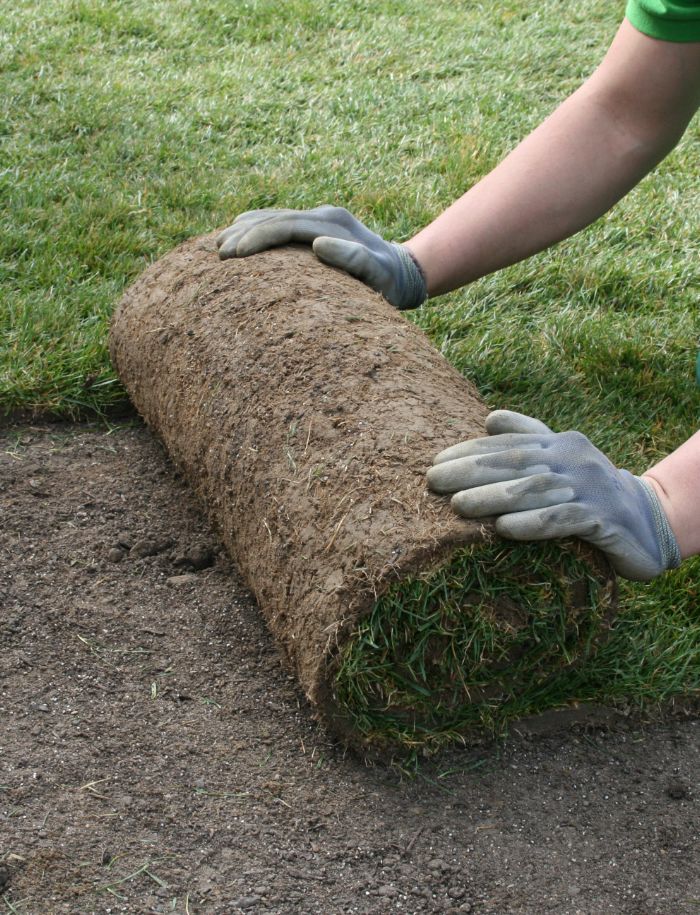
{"x":304,"y":410}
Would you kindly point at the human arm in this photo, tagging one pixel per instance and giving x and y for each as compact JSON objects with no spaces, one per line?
{"x":595,"y":147}
{"x":543,"y":485}
{"x":589,"y":153}
{"x":676,"y":480}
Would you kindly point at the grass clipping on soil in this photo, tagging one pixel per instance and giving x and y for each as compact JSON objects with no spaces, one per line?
{"x":305,"y":410}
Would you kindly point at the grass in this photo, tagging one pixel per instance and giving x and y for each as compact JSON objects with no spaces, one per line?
{"x":129,"y":127}
{"x":126,"y":128}
{"x":467,"y":648}
{"x":439,"y":662}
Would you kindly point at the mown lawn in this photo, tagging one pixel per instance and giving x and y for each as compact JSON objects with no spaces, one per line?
{"x":128,"y":127}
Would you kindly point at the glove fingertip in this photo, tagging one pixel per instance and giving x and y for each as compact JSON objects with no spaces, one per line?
{"x":512,"y":531}
{"x":436,"y":481}
{"x":330,"y":249}
{"x":222,"y":237}
{"x":252,"y":243}
{"x":501,"y":422}
{"x":351,"y":256}
{"x":320,"y":246}
{"x":457,"y":504}
{"x":440,"y":458}
{"x":227,"y":249}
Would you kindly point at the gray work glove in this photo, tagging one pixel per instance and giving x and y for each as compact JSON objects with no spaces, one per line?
{"x":338,"y":239}
{"x":544,"y":484}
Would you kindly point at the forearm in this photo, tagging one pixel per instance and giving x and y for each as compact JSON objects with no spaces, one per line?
{"x":676,"y":480}
{"x":590,"y":152}
{"x":564,"y":176}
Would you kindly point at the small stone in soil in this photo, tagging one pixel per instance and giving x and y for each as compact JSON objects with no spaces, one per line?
{"x":147,"y":547}
{"x":677,"y":789}
{"x":246,"y":902}
{"x":387,"y":890}
{"x":196,"y":557}
{"x":178,"y":580}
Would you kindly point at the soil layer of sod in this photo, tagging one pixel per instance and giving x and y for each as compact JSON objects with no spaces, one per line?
{"x":305,"y":410}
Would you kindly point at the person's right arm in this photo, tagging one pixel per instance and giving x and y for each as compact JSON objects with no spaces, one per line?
{"x":588,"y":154}
{"x":591,"y":151}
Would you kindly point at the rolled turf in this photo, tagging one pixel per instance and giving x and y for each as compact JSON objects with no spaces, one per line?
{"x":305,"y":410}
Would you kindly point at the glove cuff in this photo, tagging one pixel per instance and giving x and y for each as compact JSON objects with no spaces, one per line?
{"x":416,"y":291}
{"x":670,"y":552}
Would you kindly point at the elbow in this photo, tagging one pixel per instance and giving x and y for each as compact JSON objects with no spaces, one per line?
{"x":645,"y":133}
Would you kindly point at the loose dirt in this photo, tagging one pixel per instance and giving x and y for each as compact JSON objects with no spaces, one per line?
{"x":156,"y":757}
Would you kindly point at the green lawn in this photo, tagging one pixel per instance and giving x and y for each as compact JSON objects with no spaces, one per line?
{"x":130,"y":126}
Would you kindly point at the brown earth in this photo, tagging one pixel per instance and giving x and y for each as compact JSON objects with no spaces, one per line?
{"x":155,"y":756}
{"x":304,"y":410}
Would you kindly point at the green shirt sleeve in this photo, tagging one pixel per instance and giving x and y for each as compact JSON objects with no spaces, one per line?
{"x":669,"y":20}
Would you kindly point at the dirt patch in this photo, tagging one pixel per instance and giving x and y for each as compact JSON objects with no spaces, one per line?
{"x":156,"y":757}
{"x":304,"y":409}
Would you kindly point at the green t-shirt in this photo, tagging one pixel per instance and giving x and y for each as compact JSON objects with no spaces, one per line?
{"x":669,"y":20}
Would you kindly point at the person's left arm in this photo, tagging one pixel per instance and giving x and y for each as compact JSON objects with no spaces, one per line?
{"x":676,"y":480}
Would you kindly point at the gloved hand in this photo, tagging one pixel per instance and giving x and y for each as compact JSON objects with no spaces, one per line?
{"x":338,"y":239}
{"x":544,"y":484}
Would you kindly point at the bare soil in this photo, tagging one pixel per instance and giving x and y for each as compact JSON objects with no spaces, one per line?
{"x":155,"y":756}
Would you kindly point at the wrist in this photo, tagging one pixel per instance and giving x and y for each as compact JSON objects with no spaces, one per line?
{"x":416,"y":290}
{"x":660,"y":506}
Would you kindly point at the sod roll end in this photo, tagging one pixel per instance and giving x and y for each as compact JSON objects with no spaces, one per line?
{"x":305,"y":410}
